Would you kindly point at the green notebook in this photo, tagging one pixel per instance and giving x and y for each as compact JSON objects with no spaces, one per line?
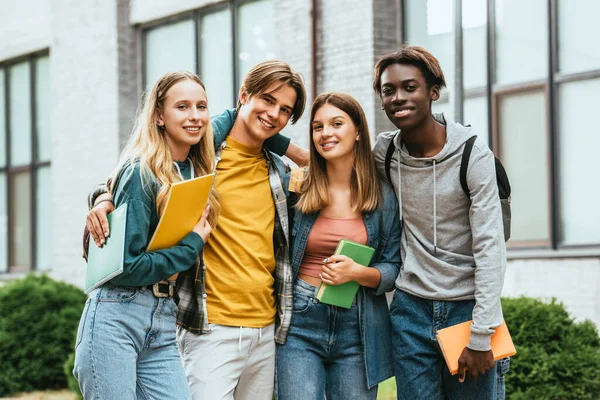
{"x":343,"y":295}
{"x":107,"y":262}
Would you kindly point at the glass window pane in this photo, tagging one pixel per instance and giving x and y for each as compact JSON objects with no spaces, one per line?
{"x":20,"y":114}
{"x":578,"y":32}
{"x":445,"y":108}
{"x":429,"y":23}
{"x":21,"y":221}
{"x":2,"y":121}
{"x":44,"y":214}
{"x":521,"y":40}
{"x":579,"y":196}
{"x":216,"y":60}
{"x":474,"y":23}
{"x":255,"y":35}
{"x":476,"y":115}
{"x":169,"y":48}
{"x":524,"y":153}
{"x":3,"y":225}
{"x":42,"y":108}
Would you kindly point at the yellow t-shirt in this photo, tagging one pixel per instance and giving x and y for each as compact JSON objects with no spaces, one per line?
{"x":239,"y":253}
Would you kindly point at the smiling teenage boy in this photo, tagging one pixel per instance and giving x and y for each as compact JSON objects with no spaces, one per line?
{"x":453,"y":250}
{"x":236,"y":304}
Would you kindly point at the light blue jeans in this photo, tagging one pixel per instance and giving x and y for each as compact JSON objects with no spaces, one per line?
{"x":125,"y":347}
{"x":419,"y":366}
{"x":323,"y":352}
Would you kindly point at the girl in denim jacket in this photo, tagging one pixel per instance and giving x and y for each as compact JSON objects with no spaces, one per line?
{"x":331,"y":351}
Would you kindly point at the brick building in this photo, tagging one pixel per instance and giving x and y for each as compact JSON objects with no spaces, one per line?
{"x":526,"y":76}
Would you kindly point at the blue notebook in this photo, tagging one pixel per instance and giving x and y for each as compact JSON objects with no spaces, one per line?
{"x":107,"y":262}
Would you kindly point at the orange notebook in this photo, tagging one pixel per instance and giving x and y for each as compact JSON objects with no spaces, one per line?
{"x":455,"y":338}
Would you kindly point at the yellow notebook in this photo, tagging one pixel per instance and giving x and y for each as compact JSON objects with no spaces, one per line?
{"x":455,"y":338}
{"x":185,"y":205}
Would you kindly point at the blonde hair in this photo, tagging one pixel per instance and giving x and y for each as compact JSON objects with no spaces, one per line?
{"x":264,"y":74}
{"x":365,"y":188}
{"x":148,"y":146}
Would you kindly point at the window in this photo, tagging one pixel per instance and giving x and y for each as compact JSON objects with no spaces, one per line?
{"x":169,"y":48}
{"x":476,"y":115}
{"x":25,"y":155}
{"x":578,"y":36}
{"x":578,"y":166}
{"x":429,"y":24}
{"x":220,"y":43}
{"x":524,"y":153}
{"x":528,"y":86}
{"x":521,"y":40}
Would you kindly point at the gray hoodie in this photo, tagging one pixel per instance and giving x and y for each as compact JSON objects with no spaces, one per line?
{"x":452,"y":248}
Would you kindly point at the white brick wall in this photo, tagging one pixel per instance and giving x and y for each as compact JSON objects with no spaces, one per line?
{"x":575,"y":282}
{"x":143,"y":11}
{"x":293,"y":27}
{"x":24,"y":27}
{"x":85,"y":119}
{"x":345,"y":50}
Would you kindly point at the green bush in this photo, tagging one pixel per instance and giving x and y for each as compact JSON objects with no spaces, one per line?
{"x":38,"y":321}
{"x":556,"y":357}
{"x":71,"y":381}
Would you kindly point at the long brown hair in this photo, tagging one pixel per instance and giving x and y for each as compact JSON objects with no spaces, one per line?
{"x":148,"y":146}
{"x":365,"y":188}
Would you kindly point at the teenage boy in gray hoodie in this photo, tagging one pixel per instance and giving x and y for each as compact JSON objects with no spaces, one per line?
{"x":453,"y":250}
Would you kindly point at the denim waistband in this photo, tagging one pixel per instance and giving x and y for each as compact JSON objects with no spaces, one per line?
{"x":306,"y":288}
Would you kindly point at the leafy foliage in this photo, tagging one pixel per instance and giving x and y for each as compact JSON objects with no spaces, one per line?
{"x":556,"y":358}
{"x":38,"y":323}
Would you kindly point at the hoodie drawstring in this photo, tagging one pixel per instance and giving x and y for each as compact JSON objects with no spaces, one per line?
{"x":434,"y":211}
{"x":399,"y":184}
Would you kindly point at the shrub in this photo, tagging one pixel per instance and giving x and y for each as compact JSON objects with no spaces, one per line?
{"x":71,"y":381}
{"x":38,"y":321}
{"x":556,"y":357}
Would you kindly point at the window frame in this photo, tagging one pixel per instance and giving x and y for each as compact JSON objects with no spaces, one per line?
{"x":196,"y":16}
{"x":493,"y":91}
{"x":31,"y":168}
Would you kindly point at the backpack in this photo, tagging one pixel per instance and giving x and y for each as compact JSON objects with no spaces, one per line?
{"x":504,"y":190}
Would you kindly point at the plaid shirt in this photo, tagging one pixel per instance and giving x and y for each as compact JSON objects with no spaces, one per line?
{"x":191,"y":289}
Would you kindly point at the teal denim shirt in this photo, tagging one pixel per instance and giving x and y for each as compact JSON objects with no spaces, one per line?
{"x":383,"y":232}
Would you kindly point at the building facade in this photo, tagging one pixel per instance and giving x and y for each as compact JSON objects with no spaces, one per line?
{"x":524,"y":75}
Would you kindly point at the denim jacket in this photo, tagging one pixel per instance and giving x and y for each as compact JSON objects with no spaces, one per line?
{"x":191,"y":288}
{"x":383,"y":232}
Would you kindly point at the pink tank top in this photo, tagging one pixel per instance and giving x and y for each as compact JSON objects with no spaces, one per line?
{"x":324,"y":238}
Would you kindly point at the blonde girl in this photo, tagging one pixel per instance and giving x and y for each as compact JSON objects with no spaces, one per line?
{"x":125,"y":346}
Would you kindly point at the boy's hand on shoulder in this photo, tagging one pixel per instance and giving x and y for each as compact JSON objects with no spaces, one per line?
{"x":475,"y":363}
{"x":297,"y":176}
{"x":97,"y":222}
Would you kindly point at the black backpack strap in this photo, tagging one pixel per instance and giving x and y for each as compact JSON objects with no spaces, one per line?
{"x":388,"y":159}
{"x":464,"y":164}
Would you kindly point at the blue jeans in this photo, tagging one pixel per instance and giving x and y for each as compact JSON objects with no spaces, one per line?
{"x":323,"y":352}
{"x":126,"y":348}
{"x":419,"y":366}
